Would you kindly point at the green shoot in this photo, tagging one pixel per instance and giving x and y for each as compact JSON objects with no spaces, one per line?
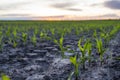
{"x":14,"y":43}
{"x":74,"y":61}
{"x":24,"y":37}
{"x":89,"y":50}
{"x":5,"y":77}
{"x":34,"y":39}
{"x":70,"y":76}
{"x":53,"y":31}
{"x":8,"y":32}
{"x":15,"y":33}
{"x":100,"y":49}
{"x":105,"y":36}
{"x":95,"y":34}
{"x":36,"y":31}
{"x":1,"y":43}
{"x":43,"y":35}
{"x":60,"y":43}
{"x":83,"y":51}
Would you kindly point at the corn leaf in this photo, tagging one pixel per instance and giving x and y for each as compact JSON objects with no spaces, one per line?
{"x":70,"y":76}
{"x":5,"y":77}
{"x":73,"y":60}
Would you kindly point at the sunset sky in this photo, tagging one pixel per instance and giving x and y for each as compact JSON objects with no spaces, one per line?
{"x":59,"y":9}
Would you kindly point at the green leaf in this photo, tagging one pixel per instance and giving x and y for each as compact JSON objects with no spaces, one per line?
{"x":41,"y":34}
{"x":95,"y":34}
{"x":14,"y":44}
{"x":5,"y":77}
{"x":85,"y":45}
{"x":55,"y":41}
{"x":79,"y":45}
{"x":117,"y":58}
{"x":61,"y":41}
{"x":89,"y":48}
{"x":70,"y":76}
{"x":73,"y":60}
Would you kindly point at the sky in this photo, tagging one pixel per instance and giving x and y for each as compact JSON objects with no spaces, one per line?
{"x":59,"y":9}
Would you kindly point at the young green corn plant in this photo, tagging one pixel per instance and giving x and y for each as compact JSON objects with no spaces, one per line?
{"x":100,"y":49}
{"x":4,"y":77}
{"x":105,"y":36}
{"x":43,"y":35}
{"x":70,"y":76}
{"x":77,"y":31}
{"x":53,"y":34}
{"x":83,"y":49}
{"x":1,"y":43}
{"x":60,"y":44}
{"x":52,"y":31}
{"x":15,"y":33}
{"x":24,"y":37}
{"x":14,"y":43}
{"x":114,"y":31}
{"x":95,"y":34}
{"x":36,"y":31}
{"x":76,"y":64}
{"x":8,"y":32}
{"x":89,"y":51}
{"x":34,"y":39}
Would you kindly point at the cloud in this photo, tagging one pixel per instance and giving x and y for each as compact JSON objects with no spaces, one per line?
{"x":74,"y":9}
{"x":113,"y":4}
{"x":16,"y":18}
{"x":96,"y":4}
{"x":62,"y":5}
{"x":17,"y":15}
{"x":11,"y":6}
{"x":66,"y":6}
{"x":109,"y":15}
{"x":15,"y":5}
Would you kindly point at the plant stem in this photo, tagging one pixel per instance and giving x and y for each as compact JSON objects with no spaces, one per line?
{"x":101,"y":60}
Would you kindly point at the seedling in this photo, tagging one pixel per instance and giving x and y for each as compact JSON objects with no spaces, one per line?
{"x":15,"y":33}
{"x":83,"y":49}
{"x":24,"y":37}
{"x":1,"y":43}
{"x":53,"y":31}
{"x":95,"y":34}
{"x":14,"y":43}
{"x":8,"y":32}
{"x":76,"y":64}
{"x":70,"y":76}
{"x":60,"y":43}
{"x":100,"y":49}
{"x":89,"y":50}
{"x":105,"y":36}
{"x":34,"y":39}
{"x":43,"y":35}
{"x":5,"y":77}
{"x":36,"y":31}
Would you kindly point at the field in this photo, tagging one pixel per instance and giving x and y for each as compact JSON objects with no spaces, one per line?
{"x":60,"y":50}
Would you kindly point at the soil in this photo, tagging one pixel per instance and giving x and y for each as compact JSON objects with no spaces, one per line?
{"x":44,"y":62}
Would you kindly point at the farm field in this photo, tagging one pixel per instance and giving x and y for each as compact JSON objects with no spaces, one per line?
{"x":60,"y":50}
